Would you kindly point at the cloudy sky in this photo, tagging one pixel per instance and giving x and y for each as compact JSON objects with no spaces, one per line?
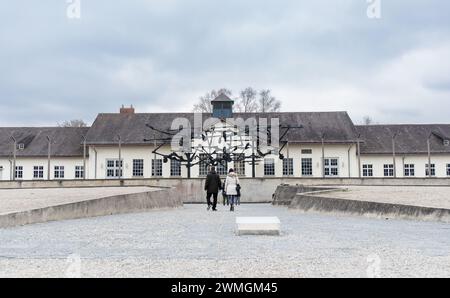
{"x":161,"y":55}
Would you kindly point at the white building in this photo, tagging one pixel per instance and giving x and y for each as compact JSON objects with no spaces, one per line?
{"x":405,"y":150}
{"x":318,"y":145}
{"x":33,"y":150}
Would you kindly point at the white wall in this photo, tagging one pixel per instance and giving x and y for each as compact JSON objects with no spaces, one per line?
{"x":419,"y":161}
{"x":145,"y":152}
{"x":28,"y":164}
{"x":128,"y":153}
{"x":346,"y":154}
{"x":98,"y":156}
{"x":4,"y":169}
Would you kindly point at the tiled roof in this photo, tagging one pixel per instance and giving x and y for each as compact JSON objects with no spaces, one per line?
{"x":409,"y":139}
{"x":336,"y":127}
{"x":66,"y":141}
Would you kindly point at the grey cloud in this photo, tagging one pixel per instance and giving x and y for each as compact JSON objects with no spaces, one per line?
{"x":150,"y":53}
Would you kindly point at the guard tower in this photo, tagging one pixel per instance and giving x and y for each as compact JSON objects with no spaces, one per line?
{"x":222,"y":107}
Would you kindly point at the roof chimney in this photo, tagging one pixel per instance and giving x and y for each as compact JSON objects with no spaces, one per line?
{"x":127,"y":110}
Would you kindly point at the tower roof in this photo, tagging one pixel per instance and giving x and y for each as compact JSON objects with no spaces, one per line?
{"x":222,"y":98}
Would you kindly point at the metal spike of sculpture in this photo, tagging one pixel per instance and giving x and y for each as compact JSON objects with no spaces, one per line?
{"x":235,"y":144}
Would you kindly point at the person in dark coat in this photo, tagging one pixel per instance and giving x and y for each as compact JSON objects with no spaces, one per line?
{"x":212,"y":186}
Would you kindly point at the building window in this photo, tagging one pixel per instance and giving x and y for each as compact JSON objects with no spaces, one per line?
{"x":138,"y":168}
{"x":269,"y":167}
{"x":203,"y":164}
{"x":59,"y":172}
{"x":367,"y":170}
{"x":114,"y":168}
{"x":38,"y":172}
{"x":175,"y":168}
{"x":222,"y":166}
{"x":409,"y":170}
{"x":306,"y":151}
{"x":307,"y":169}
{"x":21,"y":146}
{"x":433,"y":170}
{"x":79,"y":172}
{"x":288,"y":167}
{"x":19,"y":172}
{"x":331,"y":167}
{"x":157,"y":167}
{"x":448,"y":169}
{"x":447,"y":143}
{"x":389,"y":170}
{"x":239,"y":164}
{"x":247,"y":131}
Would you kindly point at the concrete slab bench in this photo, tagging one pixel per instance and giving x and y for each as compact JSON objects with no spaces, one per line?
{"x":258,"y":226}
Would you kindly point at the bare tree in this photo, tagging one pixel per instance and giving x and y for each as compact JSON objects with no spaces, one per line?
{"x":247,"y":101}
{"x":73,"y":123}
{"x":367,"y":120}
{"x":204,"y":103}
{"x":267,"y":102}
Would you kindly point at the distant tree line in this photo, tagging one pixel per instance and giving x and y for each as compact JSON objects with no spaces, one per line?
{"x":367,"y":120}
{"x":249,"y":100}
{"x":73,"y":123}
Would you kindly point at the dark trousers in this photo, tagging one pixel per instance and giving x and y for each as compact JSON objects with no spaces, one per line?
{"x":208,"y":199}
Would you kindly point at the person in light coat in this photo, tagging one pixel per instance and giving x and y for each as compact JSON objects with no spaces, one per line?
{"x":232,"y":187}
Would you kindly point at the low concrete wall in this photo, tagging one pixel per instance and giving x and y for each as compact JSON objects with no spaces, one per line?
{"x":285,"y":193}
{"x":128,"y":203}
{"x":310,"y":203}
{"x":254,"y":190}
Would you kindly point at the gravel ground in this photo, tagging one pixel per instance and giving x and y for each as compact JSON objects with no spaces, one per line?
{"x":190,"y":242}
{"x":14,"y":200}
{"x":426,"y":196}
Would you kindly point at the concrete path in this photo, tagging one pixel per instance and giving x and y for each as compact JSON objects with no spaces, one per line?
{"x":190,"y":242}
{"x":17,"y":200}
{"x":424,"y":196}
